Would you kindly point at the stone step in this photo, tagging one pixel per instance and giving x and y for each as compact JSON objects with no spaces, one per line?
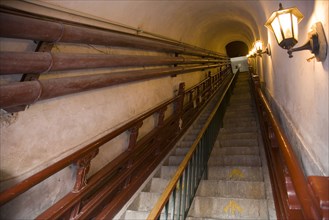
{"x":240,"y":124}
{"x":144,"y":201}
{"x":237,"y":111}
{"x":240,"y":103}
{"x":239,"y":142}
{"x":238,"y":129}
{"x":241,"y":91}
{"x":195,"y":131}
{"x":228,"y":208}
{"x":231,"y":189}
{"x":242,"y":88}
{"x":186,"y":143}
{"x":174,"y":160}
{"x":166,"y":172}
{"x":135,"y":215}
{"x":156,"y":185}
{"x":235,"y":151}
{"x":241,"y":85}
{"x":232,"y":110}
{"x":236,"y":120}
{"x":235,"y":160}
{"x":181,"y":151}
{"x":190,"y":137}
{"x":240,"y":117}
{"x":140,"y":215}
{"x":236,"y":135}
{"x":240,"y":99}
{"x":197,"y":127}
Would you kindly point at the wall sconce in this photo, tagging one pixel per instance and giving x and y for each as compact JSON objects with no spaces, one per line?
{"x":252,"y":53}
{"x":259,"y":48}
{"x":284,"y":24}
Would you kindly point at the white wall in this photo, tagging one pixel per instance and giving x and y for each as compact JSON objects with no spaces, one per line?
{"x":241,"y":63}
{"x":299,"y":89}
{"x":50,"y":129}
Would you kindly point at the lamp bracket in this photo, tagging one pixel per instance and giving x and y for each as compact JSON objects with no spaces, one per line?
{"x":267,"y":50}
{"x":317,"y":43}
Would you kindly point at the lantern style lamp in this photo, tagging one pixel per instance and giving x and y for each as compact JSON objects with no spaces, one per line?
{"x":259,"y":48}
{"x":284,"y":24}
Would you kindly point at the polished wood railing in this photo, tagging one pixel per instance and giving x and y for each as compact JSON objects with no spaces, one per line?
{"x":105,"y":192}
{"x":296,"y":197}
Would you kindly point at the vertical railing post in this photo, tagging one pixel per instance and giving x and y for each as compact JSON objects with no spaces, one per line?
{"x":160,"y":124}
{"x":179,"y":106}
{"x":83,"y":166}
{"x":132,"y":143}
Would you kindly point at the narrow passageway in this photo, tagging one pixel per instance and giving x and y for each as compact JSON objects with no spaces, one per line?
{"x":101,"y":102}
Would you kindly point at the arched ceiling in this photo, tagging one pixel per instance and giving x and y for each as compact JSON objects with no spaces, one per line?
{"x":209,"y":24}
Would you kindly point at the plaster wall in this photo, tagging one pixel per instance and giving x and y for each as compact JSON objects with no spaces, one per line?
{"x":240,"y":62}
{"x":51,"y":129}
{"x":298,"y":90}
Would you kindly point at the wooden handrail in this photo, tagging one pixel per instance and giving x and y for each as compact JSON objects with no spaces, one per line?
{"x":305,"y":197}
{"x":145,"y":144}
{"x":127,"y":171}
{"x":156,"y":211}
{"x":38,"y":177}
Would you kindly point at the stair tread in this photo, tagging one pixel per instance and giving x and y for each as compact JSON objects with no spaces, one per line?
{"x":135,"y":215}
{"x":166,"y":172}
{"x":174,"y":160}
{"x":235,"y":151}
{"x":241,"y":173}
{"x":239,"y":142}
{"x":156,"y":185}
{"x":238,"y":160}
{"x":231,"y":189}
{"x":145,"y":201}
{"x":228,"y":208}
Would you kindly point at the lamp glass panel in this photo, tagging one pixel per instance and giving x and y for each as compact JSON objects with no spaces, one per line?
{"x":276,"y":28}
{"x":259,"y":45}
{"x":295,"y":26}
{"x":254,"y":51}
{"x":285,"y":21}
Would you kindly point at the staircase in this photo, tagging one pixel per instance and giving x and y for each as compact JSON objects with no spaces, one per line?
{"x":145,"y":200}
{"x":234,"y":186}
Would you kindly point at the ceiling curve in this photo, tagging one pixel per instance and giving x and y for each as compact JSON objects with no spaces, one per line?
{"x":208,"y":24}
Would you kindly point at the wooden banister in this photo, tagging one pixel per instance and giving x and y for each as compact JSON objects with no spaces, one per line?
{"x":277,"y":140}
{"x":113,"y":184}
{"x":125,"y":170}
{"x":33,"y":180}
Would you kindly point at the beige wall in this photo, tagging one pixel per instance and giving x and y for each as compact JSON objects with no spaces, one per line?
{"x":48,"y":130}
{"x":299,"y":89}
